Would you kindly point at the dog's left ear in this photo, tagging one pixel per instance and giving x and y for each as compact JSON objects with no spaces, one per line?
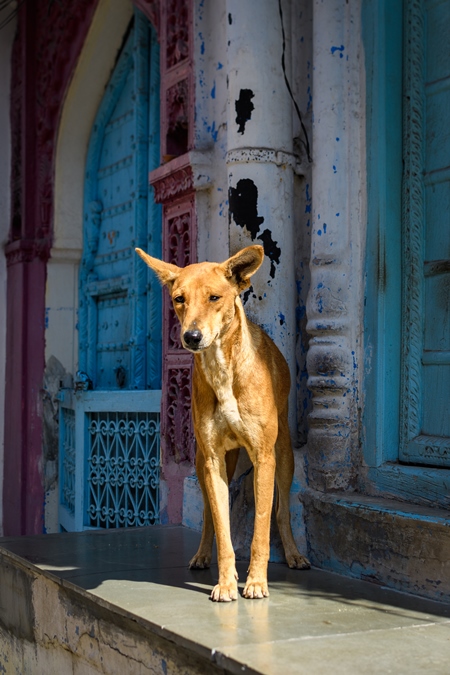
{"x":240,"y":267}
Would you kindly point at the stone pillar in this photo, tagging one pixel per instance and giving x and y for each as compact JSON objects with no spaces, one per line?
{"x":261,"y":166}
{"x":334,"y":307}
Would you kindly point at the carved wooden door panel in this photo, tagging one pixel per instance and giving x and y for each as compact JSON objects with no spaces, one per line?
{"x":426,"y":238}
{"x":120,"y":322}
{"x":110,"y":453}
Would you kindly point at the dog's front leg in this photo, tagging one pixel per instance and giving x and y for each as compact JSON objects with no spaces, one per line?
{"x":256,"y":584}
{"x":216,"y":483}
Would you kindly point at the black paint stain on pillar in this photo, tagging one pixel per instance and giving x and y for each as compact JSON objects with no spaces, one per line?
{"x":271,"y":250}
{"x":243,"y":208}
{"x":244,"y":108}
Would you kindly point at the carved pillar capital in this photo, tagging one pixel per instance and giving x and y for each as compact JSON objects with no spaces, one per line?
{"x":27,"y":250}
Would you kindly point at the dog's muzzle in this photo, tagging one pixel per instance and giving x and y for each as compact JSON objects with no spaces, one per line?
{"x":192,"y":339}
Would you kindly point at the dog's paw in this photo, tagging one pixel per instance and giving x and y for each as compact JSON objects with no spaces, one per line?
{"x":224,"y":592}
{"x":298,"y":562}
{"x":255,"y":589}
{"x":200,"y":561}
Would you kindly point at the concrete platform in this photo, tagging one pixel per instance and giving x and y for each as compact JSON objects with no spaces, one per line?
{"x":123,"y":601}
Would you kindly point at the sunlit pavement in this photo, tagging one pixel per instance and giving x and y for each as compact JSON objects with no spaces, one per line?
{"x":313,"y":622}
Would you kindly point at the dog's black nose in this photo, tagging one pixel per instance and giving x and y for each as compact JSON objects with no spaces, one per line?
{"x":192,"y":338}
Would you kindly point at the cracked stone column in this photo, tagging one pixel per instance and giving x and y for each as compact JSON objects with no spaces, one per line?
{"x":334,"y":306}
{"x":261,"y":165}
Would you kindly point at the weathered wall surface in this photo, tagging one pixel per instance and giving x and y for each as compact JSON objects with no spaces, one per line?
{"x":46,"y":627}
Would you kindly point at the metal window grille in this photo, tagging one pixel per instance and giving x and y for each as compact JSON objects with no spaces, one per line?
{"x":68,"y":459}
{"x":123,"y":469}
{"x":109,"y":459}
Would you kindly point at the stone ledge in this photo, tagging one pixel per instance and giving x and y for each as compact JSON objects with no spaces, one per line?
{"x":124,"y":601}
{"x":398,"y":545}
{"x":49,"y":624}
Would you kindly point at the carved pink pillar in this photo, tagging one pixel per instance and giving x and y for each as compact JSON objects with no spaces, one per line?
{"x":173,"y":186}
{"x":174,"y":189}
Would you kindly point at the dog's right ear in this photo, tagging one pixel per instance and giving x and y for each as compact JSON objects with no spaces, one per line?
{"x":166,"y":272}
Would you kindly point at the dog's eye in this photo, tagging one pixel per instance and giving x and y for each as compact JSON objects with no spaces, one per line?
{"x":214,"y":298}
{"x":179,"y":299}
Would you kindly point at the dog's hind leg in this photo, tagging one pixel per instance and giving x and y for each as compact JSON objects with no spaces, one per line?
{"x":284,"y":473}
{"x":202,"y":559}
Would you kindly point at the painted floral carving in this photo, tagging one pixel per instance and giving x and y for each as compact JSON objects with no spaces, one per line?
{"x":179,"y":439}
{"x":177,"y":32}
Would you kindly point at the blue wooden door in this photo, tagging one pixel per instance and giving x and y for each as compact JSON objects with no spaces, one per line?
{"x":120,"y":320}
{"x":426,"y":242}
{"x":110,"y":432}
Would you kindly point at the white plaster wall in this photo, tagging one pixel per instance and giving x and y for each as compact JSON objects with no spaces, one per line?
{"x":6,"y":40}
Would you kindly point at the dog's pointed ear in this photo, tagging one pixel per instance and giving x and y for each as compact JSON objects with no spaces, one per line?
{"x":166,"y":272}
{"x":240,"y":267}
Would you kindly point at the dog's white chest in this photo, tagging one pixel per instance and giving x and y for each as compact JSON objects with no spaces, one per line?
{"x":220,"y":378}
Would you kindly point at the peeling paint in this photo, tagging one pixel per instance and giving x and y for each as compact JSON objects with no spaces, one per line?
{"x":244,"y":108}
{"x":243,"y":200}
{"x":271,"y":250}
{"x":247,"y":294}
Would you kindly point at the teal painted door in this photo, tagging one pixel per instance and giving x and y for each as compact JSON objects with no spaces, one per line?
{"x":425,"y":427}
{"x":120,"y":318}
{"x":109,"y":448}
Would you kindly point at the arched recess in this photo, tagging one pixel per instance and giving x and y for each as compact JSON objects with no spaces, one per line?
{"x":97,"y":60}
{"x":92,"y":73}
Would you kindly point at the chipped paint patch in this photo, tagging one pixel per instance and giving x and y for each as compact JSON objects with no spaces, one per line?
{"x":338,"y":49}
{"x":244,"y":108}
{"x":243,"y":208}
{"x":243,"y":200}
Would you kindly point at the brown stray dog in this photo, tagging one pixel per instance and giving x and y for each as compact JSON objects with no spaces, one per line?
{"x":240,"y":394}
